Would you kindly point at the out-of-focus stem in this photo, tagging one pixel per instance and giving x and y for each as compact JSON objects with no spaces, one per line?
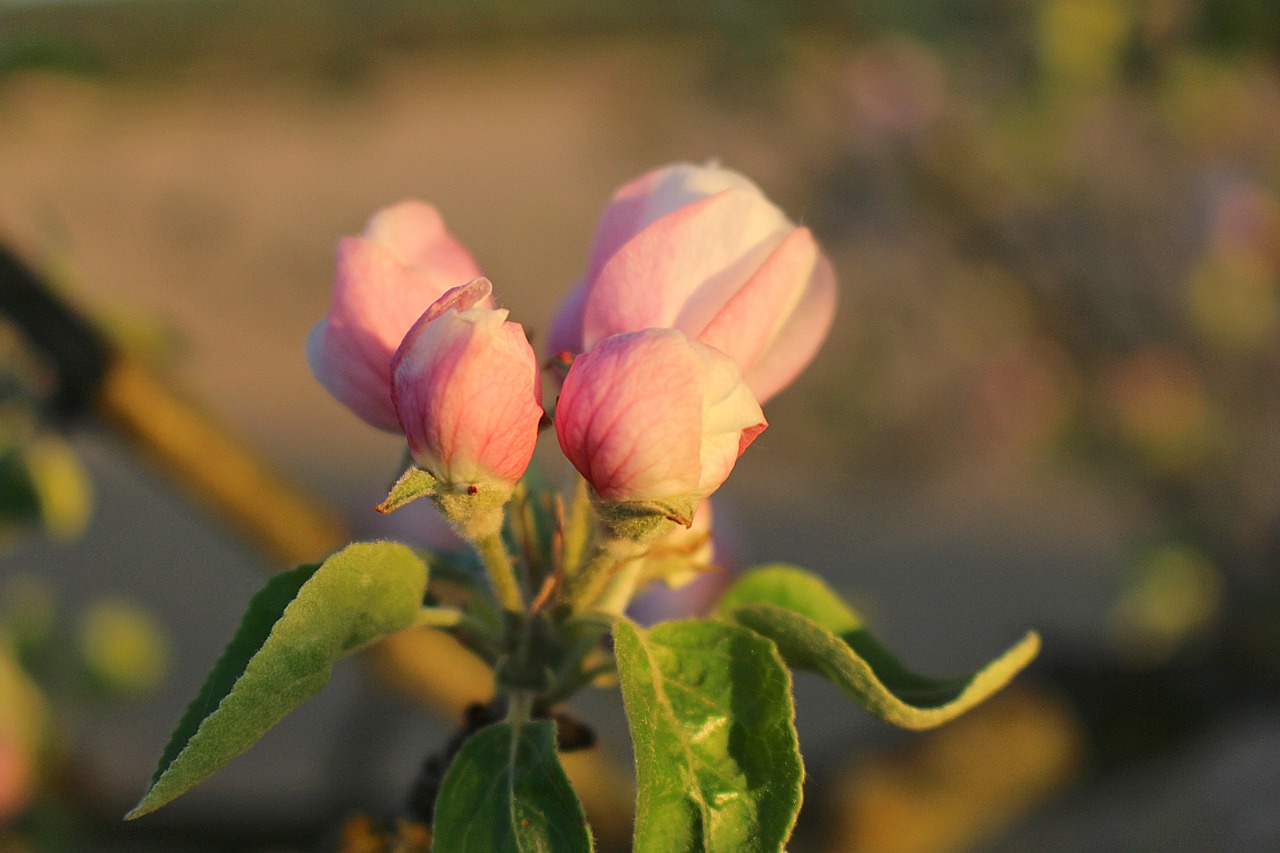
{"x":520,"y":708}
{"x":501,"y":573}
{"x":439,"y":617}
{"x":447,"y":617}
{"x":476,"y":635}
{"x":581,"y":677}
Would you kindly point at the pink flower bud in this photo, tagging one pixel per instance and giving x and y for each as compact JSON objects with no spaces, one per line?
{"x":467,"y":392}
{"x":404,"y":261}
{"x":700,"y":249}
{"x":652,"y":416}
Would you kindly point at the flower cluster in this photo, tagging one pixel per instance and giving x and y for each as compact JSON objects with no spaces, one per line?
{"x":700,"y":301}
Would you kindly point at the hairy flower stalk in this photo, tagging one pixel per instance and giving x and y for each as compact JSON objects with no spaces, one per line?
{"x":615,"y":557}
{"x":493,"y":553}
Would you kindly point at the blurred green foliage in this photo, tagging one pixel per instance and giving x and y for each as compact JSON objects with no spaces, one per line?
{"x":42,"y":483}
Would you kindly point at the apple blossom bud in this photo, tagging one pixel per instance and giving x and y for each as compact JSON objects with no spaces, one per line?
{"x":402,"y":263}
{"x":702,"y":250}
{"x":655,"y":422}
{"x":468,"y":395}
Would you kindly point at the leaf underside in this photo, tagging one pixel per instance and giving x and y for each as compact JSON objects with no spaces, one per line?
{"x":295,"y":630}
{"x":816,"y":631}
{"x":506,"y":792}
{"x":717,"y":761}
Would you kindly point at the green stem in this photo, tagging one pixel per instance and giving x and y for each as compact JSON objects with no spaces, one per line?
{"x":585,"y":587}
{"x":616,"y":592}
{"x":501,"y":573}
{"x":519,"y":708}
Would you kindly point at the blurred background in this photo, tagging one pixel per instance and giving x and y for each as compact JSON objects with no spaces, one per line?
{"x":1049,"y":399}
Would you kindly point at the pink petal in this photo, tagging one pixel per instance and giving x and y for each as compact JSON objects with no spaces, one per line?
{"x":354,"y":382}
{"x":798,"y":341}
{"x":415,"y":234}
{"x":628,"y":211}
{"x":350,"y":351}
{"x":775,"y":323}
{"x":467,"y":391}
{"x":682,"y":268}
{"x":652,"y":196}
{"x":566,"y":328}
{"x":629,"y":416}
{"x":731,"y":417}
{"x":652,"y":415}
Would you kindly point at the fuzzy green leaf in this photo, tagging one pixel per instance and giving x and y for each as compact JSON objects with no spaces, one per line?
{"x":717,"y":762}
{"x":296,"y":628}
{"x":506,"y":792}
{"x":814,"y":630}
{"x":791,"y":589}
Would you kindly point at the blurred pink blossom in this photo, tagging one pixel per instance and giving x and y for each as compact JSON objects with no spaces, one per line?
{"x":654,"y":416}
{"x":896,"y":90}
{"x":467,"y":391}
{"x":403,"y":262}
{"x":17,"y":778}
{"x":700,"y":249}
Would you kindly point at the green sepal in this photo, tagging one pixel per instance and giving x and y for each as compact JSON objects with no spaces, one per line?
{"x":295,"y":629}
{"x":718,"y":764}
{"x":414,"y":483}
{"x":507,"y":791}
{"x":644,"y":521}
{"x":816,"y":631}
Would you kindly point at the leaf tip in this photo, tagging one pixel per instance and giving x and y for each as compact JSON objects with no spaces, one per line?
{"x":144,"y":807}
{"x":1028,"y":647}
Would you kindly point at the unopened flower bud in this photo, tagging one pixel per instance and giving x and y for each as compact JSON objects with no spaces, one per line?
{"x":654,"y":422}
{"x":701,"y":249}
{"x":468,"y":395}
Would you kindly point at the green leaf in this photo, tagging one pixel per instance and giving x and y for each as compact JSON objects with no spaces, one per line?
{"x":792,"y":589}
{"x":717,"y":762}
{"x":296,"y":628}
{"x":814,"y":630}
{"x":506,"y":791}
{"x":19,"y":495}
{"x":414,"y":483}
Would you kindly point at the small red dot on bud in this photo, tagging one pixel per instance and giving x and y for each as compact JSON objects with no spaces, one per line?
{"x":471,"y":490}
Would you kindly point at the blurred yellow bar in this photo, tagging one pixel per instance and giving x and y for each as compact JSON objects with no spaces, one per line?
{"x":220,"y":471}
